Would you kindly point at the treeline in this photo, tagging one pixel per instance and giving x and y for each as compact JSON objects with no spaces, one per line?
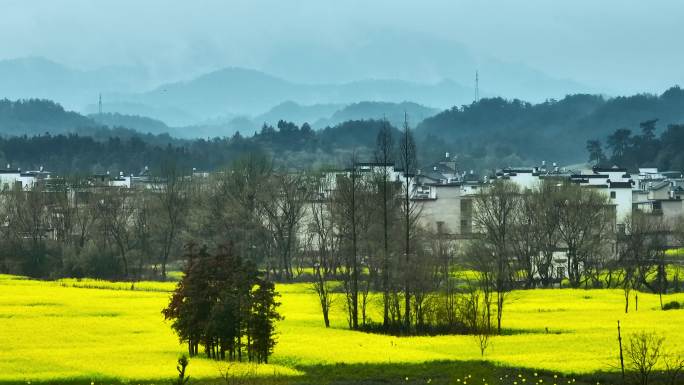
{"x":485,"y":135}
{"x":521,"y":233}
{"x":641,"y":149}
{"x":351,"y":236}
{"x":74,"y":154}
{"x":76,"y":229}
{"x":367,"y":237}
{"x":40,"y":133}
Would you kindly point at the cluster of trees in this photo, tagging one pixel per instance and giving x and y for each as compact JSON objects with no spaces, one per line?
{"x":41,"y":133}
{"x":640,"y":150}
{"x":224,"y":305}
{"x":82,"y":227}
{"x":78,"y":227}
{"x":101,"y":150}
{"x":355,"y":231}
{"x":520,"y":233}
{"x":365,"y":236}
{"x":97,"y":150}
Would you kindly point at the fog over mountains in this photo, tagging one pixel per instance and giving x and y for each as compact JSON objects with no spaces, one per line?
{"x":224,"y":94}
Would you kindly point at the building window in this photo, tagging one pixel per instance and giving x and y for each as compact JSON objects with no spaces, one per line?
{"x":465,"y":227}
{"x":612,"y":195}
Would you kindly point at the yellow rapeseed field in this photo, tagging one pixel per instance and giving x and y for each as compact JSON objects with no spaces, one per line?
{"x":96,"y":330}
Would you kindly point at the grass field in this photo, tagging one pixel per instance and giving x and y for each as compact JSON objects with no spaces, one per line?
{"x":83,"y":331}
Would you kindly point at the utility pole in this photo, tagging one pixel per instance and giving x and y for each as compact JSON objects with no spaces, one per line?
{"x":99,"y":105}
{"x":477,"y":86}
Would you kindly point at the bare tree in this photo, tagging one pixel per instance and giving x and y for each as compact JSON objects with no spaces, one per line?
{"x":641,"y":251}
{"x":115,"y":210}
{"x":29,"y":220}
{"x":346,"y":213}
{"x":445,"y":250}
{"x":142,"y":230}
{"x":384,"y":155}
{"x":477,"y":321}
{"x":325,"y":243}
{"x":284,"y":210}
{"x":173,"y":199}
{"x":585,"y":227}
{"x":524,"y":243}
{"x":84,"y":214}
{"x":323,"y":287}
{"x":674,"y":367}
{"x":494,"y":213}
{"x":480,"y":258}
{"x":407,"y":158}
{"x":232,"y":212}
{"x":63,"y":212}
{"x":644,"y":351}
{"x":544,"y":230}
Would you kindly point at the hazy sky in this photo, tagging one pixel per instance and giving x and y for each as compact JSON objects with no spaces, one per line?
{"x":613,"y":45}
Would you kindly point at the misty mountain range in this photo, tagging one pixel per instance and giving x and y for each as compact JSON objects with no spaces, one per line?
{"x":223,"y":102}
{"x":235,"y":92}
{"x":218,"y":97}
{"x":318,"y":116}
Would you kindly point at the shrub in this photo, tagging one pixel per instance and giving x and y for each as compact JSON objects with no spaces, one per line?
{"x":672,"y":305}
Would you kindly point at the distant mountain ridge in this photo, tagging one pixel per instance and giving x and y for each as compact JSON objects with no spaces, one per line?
{"x":318,"y":116}
{"x":394,"y":113}
{"x":243,"y":92}
{"x":298,"y":113}
{"x":239,"y":91}
{"x":37,"y":77}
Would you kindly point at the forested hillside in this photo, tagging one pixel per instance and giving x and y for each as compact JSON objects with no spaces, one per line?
{"x":641,"y":147}
{"x":34,"y":116}
{"x":512,"y":131}
{"x":100,"y":149}
{"x":135,"y":122}
{"x":491,"y":133}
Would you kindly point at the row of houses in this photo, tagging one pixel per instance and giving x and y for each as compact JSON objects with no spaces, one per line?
{"x":446,"y":194}
{"x":11,"y":178}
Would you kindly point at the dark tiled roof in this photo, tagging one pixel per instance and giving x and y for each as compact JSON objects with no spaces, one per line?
{"x":375,"y":164}
{"x":621,"y":185}
{"x":609,"y":169}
